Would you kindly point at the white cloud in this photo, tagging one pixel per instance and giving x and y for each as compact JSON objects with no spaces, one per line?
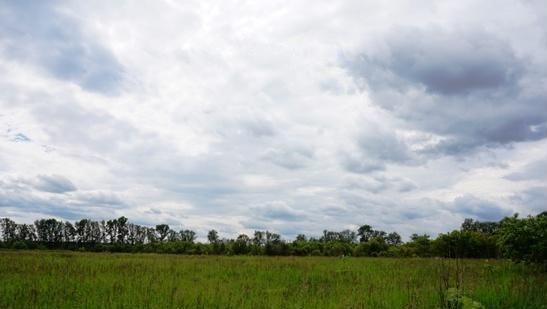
{"x":223,"y":115}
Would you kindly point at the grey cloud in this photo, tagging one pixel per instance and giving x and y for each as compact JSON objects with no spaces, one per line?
{"x":224,"y":115}
{"x":20,"y":195}
{"x":360,"y":165}
{"x":53,"y":184}
{"x":471,"y":206}
{"x":255,"y":224}
{"x":100,"y":199}
{"x":20,"y":138}
{"x":532,"y":171}
{"x":379,"y":183}
{"x":40,"y":33}
{"x":373,"y":185}
{"x":259,"y":127}
{"x":335,"y":211}
{"x":80,"y":126}
{"x":245,"y":124}
{"x":25,"y":202}
{"x":332,"y":86}
{"x":96,"y":133}
{"x":376,"y":147}
{"x":533,"y":199}
{"x":383,"y":145}
{"x":441,"y":62}
{"x":405,"y":185}
{"x":288,"y":158}
{"x":378,"y":210}
{"x":278,"y":211}
{"x":454,"y":66}
{"x":414,"y":213}
{"x":468,"y":87}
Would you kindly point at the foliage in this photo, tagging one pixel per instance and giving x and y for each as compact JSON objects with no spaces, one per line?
{"x":456,"y":300}
{"x":519,"y":239}
{"x":524,"y":239}
{"x":464,"y":243}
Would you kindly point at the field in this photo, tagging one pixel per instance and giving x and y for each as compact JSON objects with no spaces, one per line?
{"x":59,"y":279}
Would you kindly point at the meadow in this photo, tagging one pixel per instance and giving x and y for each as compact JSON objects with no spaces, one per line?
{"x":64,"y":279}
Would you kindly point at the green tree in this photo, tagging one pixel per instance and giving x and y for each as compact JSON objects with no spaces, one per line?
{"x":212,"y":237}
{"x":8,"y":229}
{"x":393,"y":239}
{"x":187,"y":235}
{"x":163,"y":231}
{"x":365,"y":233}
{"x":524,"y":240}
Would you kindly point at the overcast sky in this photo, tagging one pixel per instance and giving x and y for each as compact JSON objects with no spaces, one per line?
{"x":293,"y":116}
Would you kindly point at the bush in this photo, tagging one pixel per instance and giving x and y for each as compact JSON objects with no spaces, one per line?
{"x":524,"y":240}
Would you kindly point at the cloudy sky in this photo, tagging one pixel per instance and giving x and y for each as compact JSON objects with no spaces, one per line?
{"x":296,"y":116}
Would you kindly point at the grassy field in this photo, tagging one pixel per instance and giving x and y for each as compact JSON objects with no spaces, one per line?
{"x":101,"y":280}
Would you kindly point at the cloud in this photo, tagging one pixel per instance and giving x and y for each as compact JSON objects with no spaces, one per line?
{"x":444,"y":63}
{"x":376,"y":146}
{"x":470,"y":206}
{"x":288,"y":158}
{"x":98,"y":199}
{"x":379,"y":183}
{"x":53,"y":184}
{"x":46,"y":35}
{"x":536,"y":170}
{"x":278,"y":211}
{"x":20,"y":203}
{"x":247,"y":118}
{"x":20,"y":138}
{"x":55,"y":195}
{"x":533,"y":200}
{"x":468,"y":86}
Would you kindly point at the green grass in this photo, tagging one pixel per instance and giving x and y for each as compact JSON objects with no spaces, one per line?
{"x":60,"y":279}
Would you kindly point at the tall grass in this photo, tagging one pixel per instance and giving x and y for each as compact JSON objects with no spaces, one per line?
{"x":102,"y":280}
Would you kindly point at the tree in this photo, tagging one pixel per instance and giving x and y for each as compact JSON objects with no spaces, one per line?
{"x":95,"y":233}
{"x":187,"y":235}
{"x":69,"y":232}
{"x":274,"y":245}
{"x":421,"y":245}
{"x":136,"y":234}
{"x":375,"y":246}
{"x":172,"y":236}
{"x":470,"y":225}
{"x":151,"y":235}
{"x":365,"y":233}
{"x":163,"y":231}
{"x":8,"y":229}
{"x":83,"y":230}
{"x":25,"y":232}
{"x":465,"y":244}
{"x":347,"y":236}
{"x":212,"y":236}
{"x":330,"y":236}
{"x":122,"y":230}
{"x":258,"y":238}
{"x":49,"y":231}
{"x":393,"y":239}
{"x":110,"y":230}
{"x":524,"y":240}
{"x":241,"y":244}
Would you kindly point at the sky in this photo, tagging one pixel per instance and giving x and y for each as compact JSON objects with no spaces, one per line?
{"x":293,"y":116}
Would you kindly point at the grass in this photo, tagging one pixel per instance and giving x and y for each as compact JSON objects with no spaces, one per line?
{"x":59,"y":279}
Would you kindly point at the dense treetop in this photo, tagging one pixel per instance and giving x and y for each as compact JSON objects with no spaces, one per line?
{"x":522,"y":239}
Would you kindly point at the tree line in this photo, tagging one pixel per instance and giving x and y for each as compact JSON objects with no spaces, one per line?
{"x":521,"y":239}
